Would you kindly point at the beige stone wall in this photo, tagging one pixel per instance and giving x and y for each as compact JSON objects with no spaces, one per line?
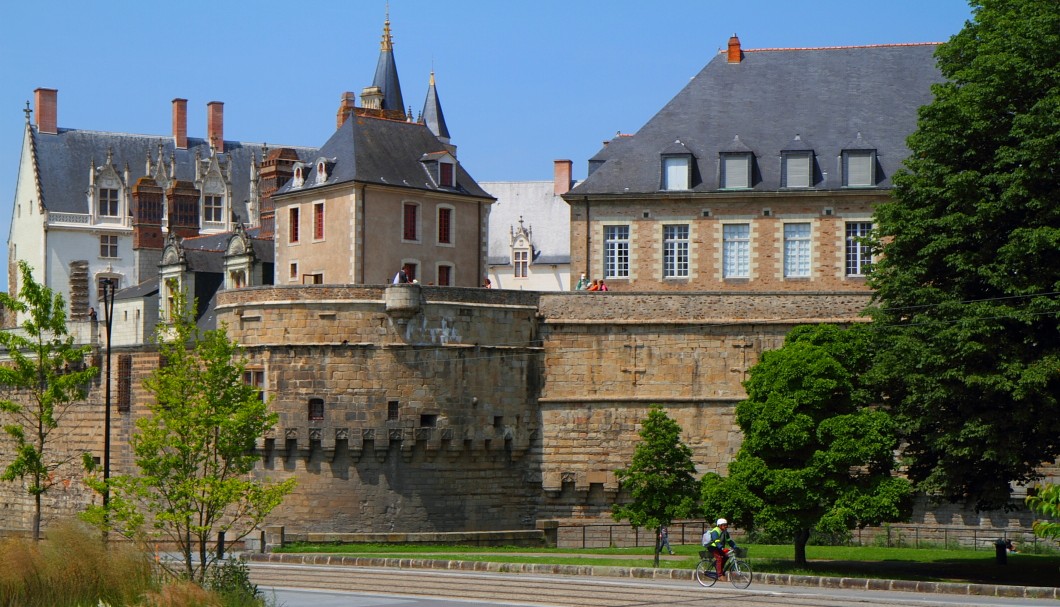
{"x":363,"y":239}
{"x":453,"y":409}
{"x":827,"y":212}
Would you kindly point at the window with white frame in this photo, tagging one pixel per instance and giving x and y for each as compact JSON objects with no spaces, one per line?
{"x":859,"y":168}
{"x":859,"y":254}
{"x":736,"y":250}
{"x":213,"y":209}
{"x":735,"y":171}
{"x":677,"y":172}
{"x":797,"y":170}
{"x":108,"y":246}
{"x":445,"y":275}
{"x":521,"y":261}
{"x":108,"y":202}
{"x":616,"y":251}
{"x":410,"y":222}
{"x":675,"y":251}
{"x":445,"y":225}
{"x":796,"y":250}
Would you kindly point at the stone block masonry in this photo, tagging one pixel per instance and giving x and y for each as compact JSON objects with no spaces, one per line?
{"x":442,"y":409}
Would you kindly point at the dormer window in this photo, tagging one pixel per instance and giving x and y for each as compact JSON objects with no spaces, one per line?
{"x":859,"y":168}
{"x":212,"y":209}
{"x":797,"y":170}
{"x":859,"y":164}
{"x":441,"y":167}
{"x":735,"y":170}
{"x":445,"y":174}
{"x":322,"y":171}
{"x":299,"y":176}
{"x":677,"y":172}
{"x":108,"y":202}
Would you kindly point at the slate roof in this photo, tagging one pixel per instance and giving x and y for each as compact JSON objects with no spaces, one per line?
{"x":64,"y":160}
{"x":547,"y":215}
{"x":366,"y":149}
{"x":827,"y":96}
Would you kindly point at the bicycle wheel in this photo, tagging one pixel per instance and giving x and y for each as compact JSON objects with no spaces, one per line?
{"x":705,"y":574}
{"x":740,"y":573}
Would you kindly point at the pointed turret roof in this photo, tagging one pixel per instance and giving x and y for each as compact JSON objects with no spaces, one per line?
{"x":432,"y":113}
{"x":386,"y":76}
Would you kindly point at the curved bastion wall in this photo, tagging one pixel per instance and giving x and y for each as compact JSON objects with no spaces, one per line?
{"x":418,"y":408}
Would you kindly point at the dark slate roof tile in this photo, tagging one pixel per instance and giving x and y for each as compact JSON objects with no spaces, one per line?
{"x":827,"y":96}
{"x":65,"y":160}
{"x":381,"y":151}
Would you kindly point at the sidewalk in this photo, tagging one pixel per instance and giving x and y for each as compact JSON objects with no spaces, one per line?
{"x":780,"y":579}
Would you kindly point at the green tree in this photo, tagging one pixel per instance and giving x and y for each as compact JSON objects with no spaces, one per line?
{"x":195,"y":450}
{"x":816,"y":454}
{"x":48,"y":374}
{"x":967,"y":285}
{"x":1046,"y":501}
{"x":661,"y":478}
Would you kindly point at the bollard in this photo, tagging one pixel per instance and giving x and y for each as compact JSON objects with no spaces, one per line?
{"x":1001,"y":552}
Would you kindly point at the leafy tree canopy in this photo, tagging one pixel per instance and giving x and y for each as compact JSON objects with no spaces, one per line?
{"x":1046,"y":501}
{"x":816,"y":454}
{"x":195,"y":450}
{"x":48,"y":375}
{"x":968,"y":288}
{"x":661,"y":478}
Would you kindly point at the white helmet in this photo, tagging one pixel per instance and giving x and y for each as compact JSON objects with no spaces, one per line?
{"x":722,"y":521}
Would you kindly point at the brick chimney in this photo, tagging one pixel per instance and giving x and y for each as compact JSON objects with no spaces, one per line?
{"x":215,"y":125}
{"x":180,"y":124}
{"x":346,"y":105}
{"x":47,"y":102}
{"x":561,"y":176}
{"x":735,"y":54}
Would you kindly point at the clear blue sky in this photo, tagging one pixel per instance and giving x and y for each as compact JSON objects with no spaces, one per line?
{"x":522,"y":82}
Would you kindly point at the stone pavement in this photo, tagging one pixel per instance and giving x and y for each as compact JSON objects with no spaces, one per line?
{"x":781,"y":579}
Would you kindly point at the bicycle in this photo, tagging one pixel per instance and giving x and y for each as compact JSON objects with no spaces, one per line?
{"x":736,"y":567}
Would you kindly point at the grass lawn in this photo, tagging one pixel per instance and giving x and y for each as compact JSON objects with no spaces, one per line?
{"x":843,"y":561}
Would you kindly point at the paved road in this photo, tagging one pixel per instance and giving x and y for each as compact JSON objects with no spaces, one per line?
{"x":363,"y":586}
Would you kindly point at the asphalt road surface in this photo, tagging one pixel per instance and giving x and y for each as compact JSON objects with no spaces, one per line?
{"x":332,"y":586}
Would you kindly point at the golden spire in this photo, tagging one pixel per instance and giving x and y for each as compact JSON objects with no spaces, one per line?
{"x":388,"y":43}
{"x":432,"y":78}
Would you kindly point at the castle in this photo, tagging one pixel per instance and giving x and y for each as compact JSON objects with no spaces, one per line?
{"x":447,"y":407}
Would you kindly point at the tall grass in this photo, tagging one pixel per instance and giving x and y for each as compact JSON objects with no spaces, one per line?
{"x":73,"y":567}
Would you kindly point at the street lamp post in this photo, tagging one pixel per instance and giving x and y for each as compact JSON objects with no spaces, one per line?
{"x":108,"y":310}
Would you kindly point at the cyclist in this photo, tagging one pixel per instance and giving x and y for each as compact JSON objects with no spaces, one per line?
{"x":715,"y":541}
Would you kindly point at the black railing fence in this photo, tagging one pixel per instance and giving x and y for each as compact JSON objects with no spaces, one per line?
{"x":604,"y":535}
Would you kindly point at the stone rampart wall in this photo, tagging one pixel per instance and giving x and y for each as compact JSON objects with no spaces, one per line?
{"x":409,"y":408}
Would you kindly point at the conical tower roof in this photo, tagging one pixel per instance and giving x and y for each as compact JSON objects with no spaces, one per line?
{"x":386,"y":76}
{"x":432,"y":113}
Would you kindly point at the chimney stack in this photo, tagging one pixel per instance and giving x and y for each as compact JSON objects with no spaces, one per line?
{"x":561,"y":176}
{"x":735,"y":54}
{"x":346,"y":105}
{"x":47,"y":102}
{"x":215,"y":125}
{"x":180,"y":123}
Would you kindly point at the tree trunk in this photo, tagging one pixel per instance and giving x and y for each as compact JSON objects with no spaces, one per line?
{"x":36,"y":517}
{"x":801,"y":537}
{"x":658,"y":545}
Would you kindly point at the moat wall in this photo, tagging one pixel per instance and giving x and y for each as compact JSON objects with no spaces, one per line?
{"x":418,"y":409}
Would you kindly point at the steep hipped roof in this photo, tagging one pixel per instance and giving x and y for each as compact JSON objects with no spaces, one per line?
{"x":827,"y":96}
{"x":65,"y":158}
{"x":387,"y":152}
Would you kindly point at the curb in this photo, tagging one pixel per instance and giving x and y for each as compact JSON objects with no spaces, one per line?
{"x":781,"y":579}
